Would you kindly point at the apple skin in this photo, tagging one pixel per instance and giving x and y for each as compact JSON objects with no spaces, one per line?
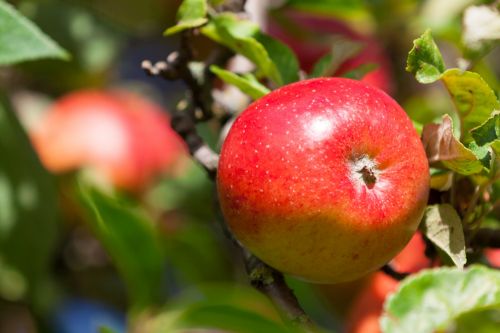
{"x":292,"y":171}
{"x":314,"y":44}
{"x":124,"y":138}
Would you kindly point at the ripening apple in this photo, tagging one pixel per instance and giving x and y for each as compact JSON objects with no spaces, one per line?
{"x":308,"y":35}
{"x":324,"y":179}
{"x":123,"y":138}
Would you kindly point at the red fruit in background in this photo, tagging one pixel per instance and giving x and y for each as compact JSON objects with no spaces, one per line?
{"x":363,"y":316}
{"x":493,"y":256}
{"x":367,"y":308}
{"x":308,"y":36}
{"x":124,"y":138}
{"x":324,"y":179}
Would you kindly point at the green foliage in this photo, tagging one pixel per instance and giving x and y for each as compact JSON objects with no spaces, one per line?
{"x":342,"y":49}
{"x":247,"y":83}
{"x":443,"y":227}
{"x":473,"y":98}
{"x":191,"y":14}
{"x":21,"y":40}
{"x":330,"y":7}
{"x":488,"y":132}
{"x":220,"y":306}
{"x":425,"y":60}
{"x":28,"y":214}
{"x":272,"y":58}
{"x":432,"y":300}
{"x":282,"y":56}
{"x":442,"y":147}
{"x":131,"y":241}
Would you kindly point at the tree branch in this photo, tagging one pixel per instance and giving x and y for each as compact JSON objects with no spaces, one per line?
{"x":198,"y":106}
{"x":272,"y":283}
{"x":389,"y":270}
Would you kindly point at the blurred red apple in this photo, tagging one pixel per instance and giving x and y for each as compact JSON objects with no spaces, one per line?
{"x":493,"y":256}
{"x":309,"y":36}
{"x":124,"y":138}
{"x":363,"y":315}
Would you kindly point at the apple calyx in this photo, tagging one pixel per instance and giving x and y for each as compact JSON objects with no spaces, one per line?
{"x":364,"y":171}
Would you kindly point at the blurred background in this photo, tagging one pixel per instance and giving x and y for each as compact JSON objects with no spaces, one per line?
{"x":109,"y":227}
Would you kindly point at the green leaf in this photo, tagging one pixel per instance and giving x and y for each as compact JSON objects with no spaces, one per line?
{"x":28,"y":213}
{"x":442,"y":147}
{"x":191,"y":14}
{"x":430,"y":301}
{"x":282,"y":56}
{"x":474,"y":99}
{"x":215,"y":316}
{"x":486,"y":321}
{"x":443,"y":227}
{"x":424,"y":60}
{"x":341,"y":50}
{"x":21,"y":40}
{"x":330,"y":7}
{"x":247,"y":84}
{"x":241,"y":37}
{"x":131,"y":241}
{"x":359,"y":72}
{"x":487,"y":132}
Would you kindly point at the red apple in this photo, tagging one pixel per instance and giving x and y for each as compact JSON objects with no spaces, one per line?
{"x":365,"y":311}
{"x":124,"y":138}
{"x":308,"y":36}
{"x":325,"y":179}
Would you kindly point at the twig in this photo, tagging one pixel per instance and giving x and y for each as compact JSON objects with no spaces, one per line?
{"x":199,"y":106}
{"x":389,"y":270}
{"x":272,"y":283}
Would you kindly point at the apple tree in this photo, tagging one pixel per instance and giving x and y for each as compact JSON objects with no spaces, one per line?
{"x":347,"y":153}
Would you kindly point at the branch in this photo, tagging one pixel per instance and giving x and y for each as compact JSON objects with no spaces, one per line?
{"x":272,"y":283}
{"x":199,"y":106}
{"x":389,"y":270}
{"x":486,"y":237}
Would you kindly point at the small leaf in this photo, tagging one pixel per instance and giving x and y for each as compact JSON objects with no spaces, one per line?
{"x":130,"y":240}
{"x":441,"y":146}
{"x":488,"y":132}
{"x":359,"y":72}
{"x":432,"y":300}
{"x":282,"y":56}
{"x":247,"y":84}
{"x":425,"y":60}
{"x":481,"y":24}
{"x":240,"y":36}
{"x":443,"y":227}
{"x":21,"y":40}
{"x":191,"y":14}
{"x":473,"y":98}
{"x":341,"y":50}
